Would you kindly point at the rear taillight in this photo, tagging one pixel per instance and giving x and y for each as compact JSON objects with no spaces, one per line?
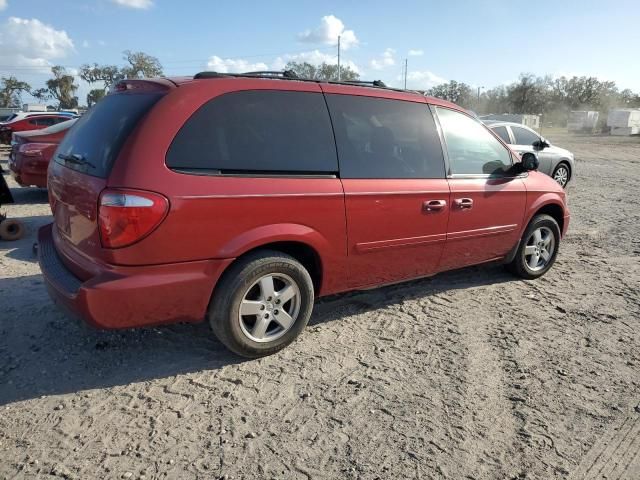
{"x":127,"y":216}
{"x":32,"y":149}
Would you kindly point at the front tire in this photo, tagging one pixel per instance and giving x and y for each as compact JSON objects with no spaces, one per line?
{"x":538,"y":248}
{"x":562,"y":174}
{"x":261,"y":304}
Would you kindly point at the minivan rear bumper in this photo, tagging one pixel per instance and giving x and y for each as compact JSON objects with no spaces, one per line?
{"x":125,"y":297}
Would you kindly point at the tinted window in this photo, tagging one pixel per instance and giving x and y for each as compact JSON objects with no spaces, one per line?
{"x":100,"y":133}
{"x":380,"y":138}
{"x":472,"y":149}
{"x":523,"y":136}
{"x":502,"y":133}
{"x":257,"y":131}
{"x":46,"y":121}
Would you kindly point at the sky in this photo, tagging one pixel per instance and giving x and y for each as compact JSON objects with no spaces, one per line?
{"x":482,"y":43}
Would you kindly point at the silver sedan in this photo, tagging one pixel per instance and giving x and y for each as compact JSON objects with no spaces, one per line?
{"x":554,"y":161}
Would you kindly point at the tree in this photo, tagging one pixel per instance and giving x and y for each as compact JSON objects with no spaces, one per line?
{"x":495,"y":100}
{"x":529,"y":94}
{"x":108,"y":74}
{"x":141,"y":65}
{"x":452,"y":91}
{"x":324,"y":71}
{"x":10,"y":90}
{"x":94,"y":96}
{"x":62,"y":87}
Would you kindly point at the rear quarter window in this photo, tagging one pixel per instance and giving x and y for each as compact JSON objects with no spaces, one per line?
{"x":257,"y":131}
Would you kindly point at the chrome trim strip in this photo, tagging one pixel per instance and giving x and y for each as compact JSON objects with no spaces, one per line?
{"x":365,"y":247}
{"x":400,"y":192}
{"x":261,"y":195}
{"x":481,"y":232}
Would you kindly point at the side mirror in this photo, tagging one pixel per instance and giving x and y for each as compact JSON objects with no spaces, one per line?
{"x":540,"y":144}
{"x":529,"y":162}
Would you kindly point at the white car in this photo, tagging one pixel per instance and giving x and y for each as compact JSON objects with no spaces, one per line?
{"x":554,"y":161}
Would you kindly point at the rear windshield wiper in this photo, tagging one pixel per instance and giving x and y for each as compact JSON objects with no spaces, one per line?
{"x":76,"y":158}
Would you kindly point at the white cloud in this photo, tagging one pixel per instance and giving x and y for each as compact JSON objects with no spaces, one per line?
{"x":314,"y":57}
{"x":3,"y":4}
{"x":422,"y":80}
{"x":139,"y":4}
{"x":416,"y":53}
{"x":330,"y":28}
{"x":32,"y":43}
{"x":233,"y":65}
{"x":386,"y":60}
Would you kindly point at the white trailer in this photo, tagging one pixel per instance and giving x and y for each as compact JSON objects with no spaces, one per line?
{"x":624,"y":121}
{"x":582,"y":121}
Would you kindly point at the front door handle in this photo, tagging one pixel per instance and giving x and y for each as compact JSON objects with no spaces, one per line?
{"x":463,"y":203}
{"x":434,"y":205}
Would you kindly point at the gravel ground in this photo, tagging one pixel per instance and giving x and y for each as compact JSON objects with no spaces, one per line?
{"x":471,"y":374}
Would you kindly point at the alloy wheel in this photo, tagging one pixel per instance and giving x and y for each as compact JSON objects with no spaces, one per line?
{"x":269,"y":308}
{"x":561,"y":175}
{"x":538,"y":250}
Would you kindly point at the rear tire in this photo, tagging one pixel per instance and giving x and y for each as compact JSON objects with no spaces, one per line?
{"x":11,"y":229}
{"x":261,"y":304}
{"x":538,"y":248}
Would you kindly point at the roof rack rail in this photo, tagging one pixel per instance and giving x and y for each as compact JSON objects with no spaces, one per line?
{"x":291,"y":75}
{"x":273,"y":73}
{"x":374,"y":83}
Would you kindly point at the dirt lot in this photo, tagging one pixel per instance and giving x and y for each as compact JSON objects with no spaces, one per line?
{"x":471,"y":374}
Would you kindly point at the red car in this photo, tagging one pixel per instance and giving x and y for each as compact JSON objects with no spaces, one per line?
{"x":241,"y":198}
{"x":30,"y":122}
{"x":31,"y":152}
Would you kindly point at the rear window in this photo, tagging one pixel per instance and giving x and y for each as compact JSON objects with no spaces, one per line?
{"x":257,"y":131}
{"x":97,"y":137}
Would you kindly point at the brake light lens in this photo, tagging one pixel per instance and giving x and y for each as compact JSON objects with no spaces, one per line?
{"x":127,"y":216}
{"x":32,"y":149}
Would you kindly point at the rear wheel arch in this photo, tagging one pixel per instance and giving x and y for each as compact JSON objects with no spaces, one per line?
{"x":308,"y":256}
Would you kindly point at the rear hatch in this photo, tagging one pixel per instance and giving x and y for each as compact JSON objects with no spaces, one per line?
{"x":81,"y":165}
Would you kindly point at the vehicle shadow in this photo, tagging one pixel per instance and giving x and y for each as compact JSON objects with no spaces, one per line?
{"x":44,"y":352}
{"x":29,"y":195}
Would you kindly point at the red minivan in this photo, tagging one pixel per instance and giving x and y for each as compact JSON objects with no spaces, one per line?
{"x":241,"y":198}
{"x":31,"y":152}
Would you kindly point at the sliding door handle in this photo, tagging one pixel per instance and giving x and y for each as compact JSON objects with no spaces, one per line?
{"x":463,"y":203}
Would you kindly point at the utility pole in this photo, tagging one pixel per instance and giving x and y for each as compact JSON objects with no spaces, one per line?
{"x":406,"y":61}
{"x":338,"y":57}
{"x":478,"y":102}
